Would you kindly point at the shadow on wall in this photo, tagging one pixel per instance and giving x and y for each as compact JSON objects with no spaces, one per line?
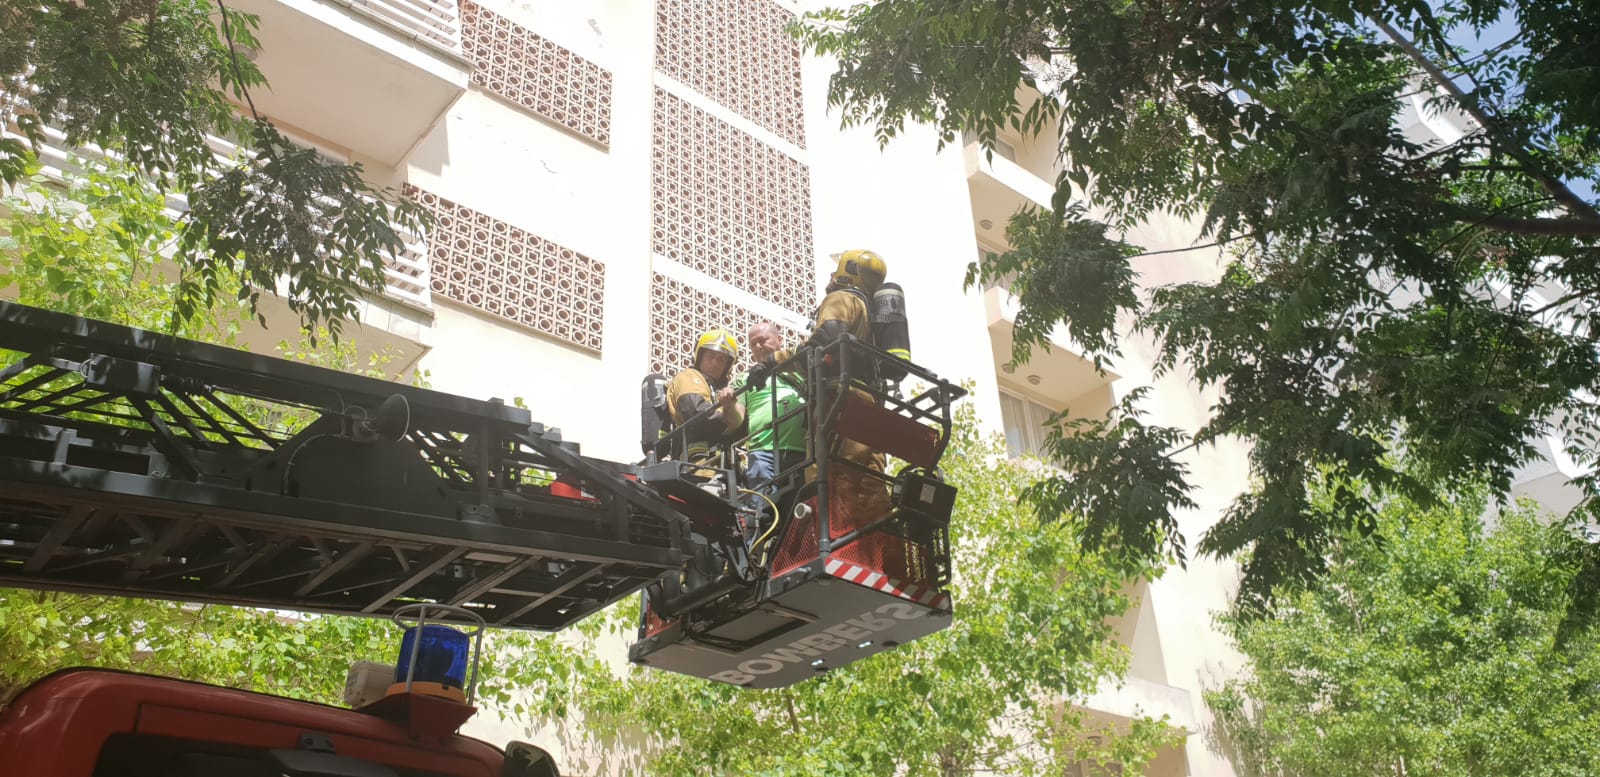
{"x":431,"y":154}
{"x":1232,"y":733}
{"x":587,"y":754}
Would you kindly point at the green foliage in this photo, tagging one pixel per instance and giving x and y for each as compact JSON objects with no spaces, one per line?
{"x":1118,"y":486}
{"x":1385,"y":293}
{"x":134,"y":75}
{"x":287,"y":212}
{"x":1029,"y":633}
{"x":294,"y":655}
{"x":1071,"y":262}
{"x":94,"y":249}
{"x":151,"y":81}
{"x":1441,"y":651}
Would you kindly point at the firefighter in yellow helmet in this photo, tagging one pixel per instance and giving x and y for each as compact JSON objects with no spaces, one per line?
{"x":702,"y":386}
{"x":846,"y":303}
{"x":846,"y":309}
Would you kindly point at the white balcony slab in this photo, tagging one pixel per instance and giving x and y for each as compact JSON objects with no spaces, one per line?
{"x":372,"y":77}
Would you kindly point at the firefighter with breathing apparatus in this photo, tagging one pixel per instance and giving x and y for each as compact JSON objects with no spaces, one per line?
{"x":699,"y":387}
{"x":859,"y":303}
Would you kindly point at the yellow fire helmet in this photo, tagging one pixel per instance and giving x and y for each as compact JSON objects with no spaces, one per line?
{"x":862,"y":269}
{"x":719,"y":340}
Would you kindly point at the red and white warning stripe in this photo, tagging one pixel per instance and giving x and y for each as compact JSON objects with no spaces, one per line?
{"x":877,"y":581}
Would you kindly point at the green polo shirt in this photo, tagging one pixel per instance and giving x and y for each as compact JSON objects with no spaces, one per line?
{"x":764,"y":404}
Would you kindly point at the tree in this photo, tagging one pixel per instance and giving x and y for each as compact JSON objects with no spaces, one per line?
{"x":150,"y":81}
{"x":1029,"y":634}
{"x":93,"y":248}
{"x":1383,"y":293}
{"x":1445,"y":651}
{"x":294,"y":655}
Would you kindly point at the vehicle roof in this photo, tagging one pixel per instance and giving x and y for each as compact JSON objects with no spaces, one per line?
{"x":65,"y":705}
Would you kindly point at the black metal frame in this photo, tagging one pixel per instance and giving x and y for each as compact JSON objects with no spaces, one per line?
{"x":932,"y":404}
{"x":136,"y":463}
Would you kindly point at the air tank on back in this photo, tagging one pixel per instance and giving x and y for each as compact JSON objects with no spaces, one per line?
{"x":889,"y":329}
{"x":653,"y":418}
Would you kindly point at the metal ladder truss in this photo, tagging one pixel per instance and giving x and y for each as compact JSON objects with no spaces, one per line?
{"x":134,"y":463}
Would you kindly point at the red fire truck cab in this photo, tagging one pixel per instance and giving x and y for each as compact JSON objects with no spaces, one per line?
{"x":102,"y":723}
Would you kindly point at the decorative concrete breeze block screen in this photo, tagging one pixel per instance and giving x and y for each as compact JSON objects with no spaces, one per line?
{"x":738,"y":53}
{"x":730,"y":206}
{"x":499,"y":269}
{"x":679,"y":313}
{"x":514,"y":63}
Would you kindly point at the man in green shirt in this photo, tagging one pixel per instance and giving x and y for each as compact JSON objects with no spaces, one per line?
{"x":777,"y":423}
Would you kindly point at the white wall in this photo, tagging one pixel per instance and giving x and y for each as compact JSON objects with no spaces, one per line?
{"x":1185,"y":601}
{"x":911,"y":202}
{"x":502,"y":160}
{"x":910,"y":205}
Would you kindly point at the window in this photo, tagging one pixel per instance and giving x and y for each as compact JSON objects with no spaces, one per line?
{"x":1024,"y":420}
{"x":1092,"y":769}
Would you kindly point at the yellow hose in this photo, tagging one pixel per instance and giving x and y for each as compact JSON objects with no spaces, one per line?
{"x":776,"y":517}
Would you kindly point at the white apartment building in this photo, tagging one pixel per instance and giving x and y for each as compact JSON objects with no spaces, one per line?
{"x":612,"y":177}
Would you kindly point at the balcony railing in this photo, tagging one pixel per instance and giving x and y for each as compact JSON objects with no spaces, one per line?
{"x":434,"y":22}
{"x":405,"y":275}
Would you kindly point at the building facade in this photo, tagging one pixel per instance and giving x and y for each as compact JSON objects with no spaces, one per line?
{"x":610,"y":178}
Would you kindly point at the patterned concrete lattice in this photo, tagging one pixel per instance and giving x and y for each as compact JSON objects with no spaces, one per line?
{"x":512,"y":62}
{"x":738,"y":53}
{"x":514,"y":274}
{"x":730,"y":206}
{"x":679,"y":313}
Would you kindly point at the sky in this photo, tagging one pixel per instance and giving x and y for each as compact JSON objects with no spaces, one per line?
{"x":1474,"y":43}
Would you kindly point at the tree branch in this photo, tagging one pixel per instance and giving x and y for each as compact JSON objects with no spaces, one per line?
{"x":1555,"y":187}
{"x":233,"y":58}
{"x":1212,"y":244}
{"x":1534,"y":226}
{"x":794,"y":718}
{"x":1573,"y":297}
{"x":1477,"y":222}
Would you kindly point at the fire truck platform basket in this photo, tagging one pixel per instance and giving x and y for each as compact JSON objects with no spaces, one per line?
{"x":817,"y":617}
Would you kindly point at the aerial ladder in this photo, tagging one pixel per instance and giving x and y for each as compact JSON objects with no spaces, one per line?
{"x":138,"y":464}
{"x":134,"y":463}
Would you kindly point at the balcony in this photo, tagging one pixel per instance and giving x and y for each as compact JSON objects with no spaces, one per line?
{"x":390,"y":324}
{"x":1058,"y":377}
{"x":370,"y":75}
{"x":1547,"y":476}
{"x":1001,"y":308}
{"x":999,"y":188}
{"x":405,"y":276}
{"x":1116,"y":705}
{"x":1133,"y":697}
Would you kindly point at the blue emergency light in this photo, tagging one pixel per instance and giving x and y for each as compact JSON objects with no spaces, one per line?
{"x":442,"y":657}
{"x":434,"y":657}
